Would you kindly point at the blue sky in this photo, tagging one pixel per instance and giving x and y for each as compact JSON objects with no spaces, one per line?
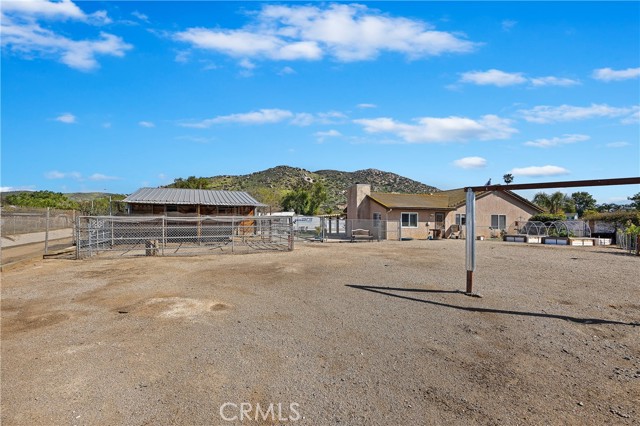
{"x":112,"y":96}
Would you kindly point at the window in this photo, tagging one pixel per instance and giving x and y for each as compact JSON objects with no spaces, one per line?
{"x":499,"y":221}
{"x":461,"y":219}
{"x":409,"y":220}
{"x":377,"y":217}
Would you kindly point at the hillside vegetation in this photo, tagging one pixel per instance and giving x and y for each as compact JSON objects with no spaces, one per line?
{"x":271,"y":185}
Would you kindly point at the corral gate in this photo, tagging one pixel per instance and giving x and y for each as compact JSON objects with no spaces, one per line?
{"x":173,"y":236}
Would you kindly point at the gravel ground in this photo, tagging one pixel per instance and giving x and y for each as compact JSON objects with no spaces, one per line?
{"x":366,"y":333}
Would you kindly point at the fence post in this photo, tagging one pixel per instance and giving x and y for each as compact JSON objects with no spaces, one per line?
{"x":291,"y":234}
{"x":164,"y":239}
{"x":638,"y":245}
{"x":77,"y":235}
{"x":233,"y":228}
{"x":75,"y":240}
{"x":46,"y":233}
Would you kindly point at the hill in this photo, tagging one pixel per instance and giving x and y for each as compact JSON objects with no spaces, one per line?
{"x":269,"y":185}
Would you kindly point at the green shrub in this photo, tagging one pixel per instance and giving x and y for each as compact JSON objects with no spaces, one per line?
{"x":546,"y":217}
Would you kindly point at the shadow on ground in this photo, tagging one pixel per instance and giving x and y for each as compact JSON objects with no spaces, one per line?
{"x":387,"y":291}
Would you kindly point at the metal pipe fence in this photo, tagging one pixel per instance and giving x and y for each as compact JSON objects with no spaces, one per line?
{"x":180,"y":236}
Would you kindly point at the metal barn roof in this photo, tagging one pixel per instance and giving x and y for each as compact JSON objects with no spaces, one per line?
{"x":203,"y":197}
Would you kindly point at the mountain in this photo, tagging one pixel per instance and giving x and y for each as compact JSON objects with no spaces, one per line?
{"x":268,"y":186}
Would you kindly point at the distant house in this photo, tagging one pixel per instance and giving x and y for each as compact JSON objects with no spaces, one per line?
{"x":440,"y":214}
{"x":192,"y":202}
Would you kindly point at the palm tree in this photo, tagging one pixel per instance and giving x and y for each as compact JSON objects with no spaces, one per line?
{"x":508,"y":178}
{"x":554,"y":203}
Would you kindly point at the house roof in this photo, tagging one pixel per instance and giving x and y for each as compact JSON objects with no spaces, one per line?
{"x":411,"y":201}
{"x":203,"y":197}
{"x":443,"y":200}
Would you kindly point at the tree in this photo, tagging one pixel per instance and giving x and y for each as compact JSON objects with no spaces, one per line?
{"x":40,"y":199}
{"x":192,"y":182}
{"x":305,"y":201}
{"x":554,"y":203}
{"x":635,"y":201}
{"x":583,"y":201}
{"x":269,"y":196}
{"x":508,"y":178}
{"x":318,"y":197}
{"x":608,"y":207}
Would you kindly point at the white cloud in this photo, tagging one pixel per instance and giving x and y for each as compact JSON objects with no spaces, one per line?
{"x":620,"y":144}
{"x":553,"y":81}
{"x":303,"y":119}
{"x":24,"y":36}
{"x":633,"y":118}
{"x":508,"y":24}
{"x":535,"y":171}
{"x":54,"y":174}
{"x":365,"y":106}
{"x":561,"y":140}
{"x":101,"y":177}
{"x":66,"y":118}
{"x":64,"y":9}
{"x":247,"y":44}
{"x":147,"y":124}
{"x":327,"y":134}
{"x":16,"y":188}
{"x":196,"y":139}
{"x":493,"y":77}
{"x":346,"y":32}
{"x":263,"y":116}
{"x":608,"y":74}
{"x":58,"y":10}
{"x":182,"y":56}
{"x":551,"y":114}
{"x":106,"y":125}
{"x":286,"y":71}
{"x":271,"y":116}
{"x":448,"y":129}
{"x":247,"y":64}
{"x":140,"y":16}
{"x":470,"y":163}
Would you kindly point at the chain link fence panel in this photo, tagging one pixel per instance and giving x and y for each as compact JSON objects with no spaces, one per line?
{"x":180,"y":236}
{"x":20,"y":220}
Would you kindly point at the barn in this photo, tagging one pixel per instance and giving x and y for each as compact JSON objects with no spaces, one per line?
{"x":191,"y":202}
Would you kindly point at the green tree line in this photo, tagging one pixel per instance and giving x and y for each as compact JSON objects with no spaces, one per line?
{"x":58,"y":200}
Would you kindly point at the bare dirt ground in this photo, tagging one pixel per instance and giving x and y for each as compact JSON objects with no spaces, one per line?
{"x":367,"y":333}
{"x":26,"y":253}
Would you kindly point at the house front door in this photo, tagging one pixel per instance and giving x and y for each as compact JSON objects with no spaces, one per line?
{"x":439,"y":221}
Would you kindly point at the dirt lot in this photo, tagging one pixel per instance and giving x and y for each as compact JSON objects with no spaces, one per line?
{"x":367,"y":333}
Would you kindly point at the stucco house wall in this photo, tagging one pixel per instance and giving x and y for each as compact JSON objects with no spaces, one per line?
{"x":495,"y":203}
{"x":362,"y":206}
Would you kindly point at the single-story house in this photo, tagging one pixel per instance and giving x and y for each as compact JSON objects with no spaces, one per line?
{"x":191,"y":202}
{"x":439,"y":214}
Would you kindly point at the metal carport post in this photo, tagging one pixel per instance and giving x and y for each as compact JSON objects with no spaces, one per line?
{"x":471,"y":210}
